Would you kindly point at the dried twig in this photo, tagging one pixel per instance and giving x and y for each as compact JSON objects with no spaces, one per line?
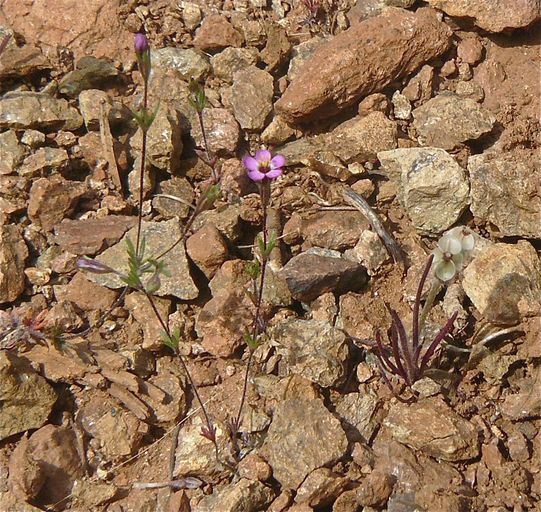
{"x":360,"y":203}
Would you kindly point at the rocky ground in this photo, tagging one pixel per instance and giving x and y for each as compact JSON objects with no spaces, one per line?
{"x":427,"y":109}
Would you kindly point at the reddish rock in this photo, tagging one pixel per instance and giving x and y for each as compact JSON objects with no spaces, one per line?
{"x":470,"y":50}
{"x":492,"y":15}
{"x":52,"y":199}
{"x":253,"y":467}
{"x":223,"y":322}
{"x":216,"y":33}
{"x":375,"y":489}
{"x":13,"y":253}
{"x":310,"y":275}
{"x":21,"y":62}
{"x":91,"y":236}
{"x":207,"y":248}
{"x":363,"y":60}
{"x":46,"y":466}
{"x":86,"y":28}
{"x":87,"y":295}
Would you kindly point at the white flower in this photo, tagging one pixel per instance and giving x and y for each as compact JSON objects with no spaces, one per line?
{"x":451,"y":251}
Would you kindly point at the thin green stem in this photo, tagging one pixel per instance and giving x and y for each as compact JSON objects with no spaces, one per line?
{"x":265,"y":196}
{"x":142,"y":175}
{"x":184,"y":365}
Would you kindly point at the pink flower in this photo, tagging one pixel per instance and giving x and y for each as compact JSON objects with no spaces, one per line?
{"x":141,"y":43}
{"x":264,"y":165}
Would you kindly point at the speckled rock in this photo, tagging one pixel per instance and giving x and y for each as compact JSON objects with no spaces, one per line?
{"x":503,"y":193}
{"x":159,"y":236}
{"x":361,"y":138}
{"x":494,"y":16}
{"x":227,"y":62}
{"x":11,"y":152}
{"x":303,"y":436}
{"x":43,"y":161}
{"x":27,"y":398}
{"x":245,"y":495}
{"x":13,"y":254}
{"x":221,"y":129}
{"x":432,"y":187}
{"x":251,"y":97}
{"x":504,"y":282}
{"x":432,"y":427}
{"x":320,"y":488}
{"x":164,"y":141}
{"x":449,"y":120}
{"x":190,"y":63}
{"x":313,"y":349}
{"x":21,"y":110}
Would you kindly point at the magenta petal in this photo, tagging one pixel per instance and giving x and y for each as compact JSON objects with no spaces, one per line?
{"x":263,"y":155}
{"x":274,"y":173}
{"x":256,"y":175}
{"x":277,"y":162}
{"x":250,"y":163}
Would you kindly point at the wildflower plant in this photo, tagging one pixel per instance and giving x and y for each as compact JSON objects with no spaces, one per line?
{"x":144,"y":272}
{"x":409,"y":357}
{"x":262,"y":169}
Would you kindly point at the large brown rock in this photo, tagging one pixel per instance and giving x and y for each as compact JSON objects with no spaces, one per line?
{"x":492,"y":15}
{"x":362,"y":60}
{"x":86,"y":28}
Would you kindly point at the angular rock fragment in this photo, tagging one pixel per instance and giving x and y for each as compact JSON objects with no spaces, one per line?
{"x":434,"y":428}
{"x":195,"y":453}
{"x":13,"y":254}
{"x":325,"y":229}
{"x":27,"y":398}
{"x":87,"y":295}
{"x":90,"y":236}
{"x":504,"y":282}
{"x":363,"y":60}
{"x":190,"y":63}
{"x":227,"y":62}
{"x":448,"y":120}
{"x":208,"y":250}
{"x":221,"y":129}
{"x":159,"y":236}
{"x":22,"y":62}
{"x":251,"y":98}
{"x":87,"y":28}
{"x":46,"y":466}
{"x":216,"y":33}
{"x":115,"y":432}
{"x":303,"y":436}
{"x":503,"y":193}
{"x":361,"y":138}
{"x":245,"y":495}
{"x":223,"y":321}
{"x":21,"y":110}
{"x":11,"y":152}
{"x":320,"y":488}
{"x":490,"y":15}
{"x":52,"y":199}
{"x":432,"y":187}
{"x":89,"y":73}
{"x":315,"y":350}
{"x":164,"y":141}
{"x":44,"y":160}
{"x":310,"y":274}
